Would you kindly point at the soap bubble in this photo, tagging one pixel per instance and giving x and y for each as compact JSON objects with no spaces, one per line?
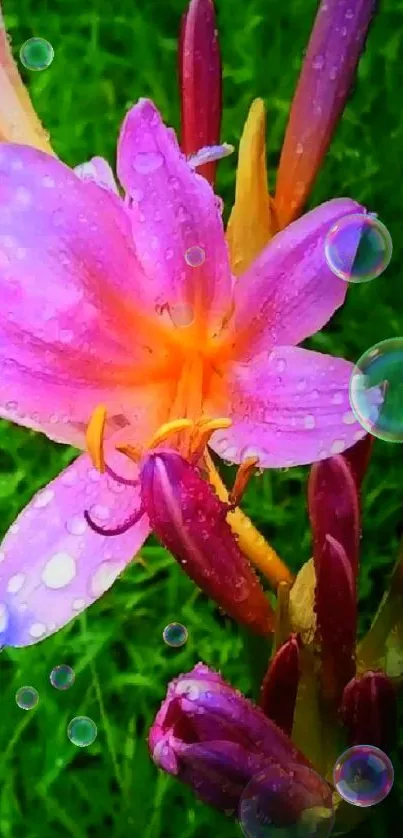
{"x":195,"y":256}
{"x":82,"y":731}
{"x":37,"y":54}
{"x":376,"y":390}
{"x":363,"y":775}
{"x":358,"y":248}
{"x":175,"y":634}
{"x":62,"y":677}
{"x":27,"y":698}
{"x":295,"y":803}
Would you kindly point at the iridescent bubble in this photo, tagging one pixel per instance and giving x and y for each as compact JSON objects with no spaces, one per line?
{"x":363,"y":775}
{"x":296,"y":803}
{"x":82,"y":731}
{"x":37,"y":54}
{"x":358,"y":248}
{"x":62,"y":677}
{"x":195,"y":256}
{"x":27,"y":698}
{"x":376,"y":390}
{"x":175,"y":634}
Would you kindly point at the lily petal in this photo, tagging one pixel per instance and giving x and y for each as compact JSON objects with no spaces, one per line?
{"x":289,"y":292}
{"x":328,"y":72}
{"x":289,"y":407}
{"x":190,"y":520}
{"x":334,"y":508}
{"x":18,"y":120}
{"x":200,"y":81}
{"x":172,"y":210}
{"x":71,"y":333}
{"x":252,"y":221}
{"x":52,"y":564}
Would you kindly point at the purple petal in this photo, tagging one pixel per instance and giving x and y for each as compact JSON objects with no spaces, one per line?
{"x":52,"y":564}
{"x":288,"y":407}
{"x":172,"y":210}
{"x":98,"y":171}
{"x":289,"y":292}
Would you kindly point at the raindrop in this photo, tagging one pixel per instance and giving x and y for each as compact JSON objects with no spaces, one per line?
{"x":195,"y":256}
{"x":147,"y":162}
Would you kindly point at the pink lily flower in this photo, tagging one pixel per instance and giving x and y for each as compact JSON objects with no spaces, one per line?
{"x":103,"y":306}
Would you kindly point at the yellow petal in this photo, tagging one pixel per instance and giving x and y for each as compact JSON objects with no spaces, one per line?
{"x":302,"y":601}
{"x":18,"y":120}
{"x":252,"y":222}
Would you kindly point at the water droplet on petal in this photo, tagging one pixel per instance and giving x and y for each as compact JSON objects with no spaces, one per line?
{"x":147,"y":162}
{"x":318,"y":62}
{"x":363,"y":775}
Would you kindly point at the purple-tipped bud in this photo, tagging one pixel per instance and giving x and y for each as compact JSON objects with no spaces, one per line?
{"x":369,"y":710}
{"x":190,"y":520}
{"x":280,"y":685}
{"x":200,"y":81}
{"x":358,"y":457}
{"x":214,"y":739}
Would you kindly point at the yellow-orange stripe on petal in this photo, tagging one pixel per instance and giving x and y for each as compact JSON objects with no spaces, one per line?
{"x":19,"y":122}
{"x":252,"y":222}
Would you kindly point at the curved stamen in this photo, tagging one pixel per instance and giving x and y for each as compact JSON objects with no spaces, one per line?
{"x":119,"y":479}
{"x":120,"y":530}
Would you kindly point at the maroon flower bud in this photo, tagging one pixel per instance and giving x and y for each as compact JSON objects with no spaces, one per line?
{"x":200,"y":81}
{"x":369,"y":710}
{"x":280,"y":685}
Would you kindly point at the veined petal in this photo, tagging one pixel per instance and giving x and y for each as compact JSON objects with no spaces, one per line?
{"x":52,"y":564}
{"x":190,"y":520}
{"x":280,"y":685}
{"x":252,"y":221}
{"x":328,"y":72}
{"x":71,"y":332}
{"x":172,"y":211}
{"x":369,"y":710}
{"x":288,"y":407}
{"x":333,"y":503}
{"x":289,"y":292}
{"x":336,"y":609}
{"x":18,"y":121}
{"x":200,"y":81}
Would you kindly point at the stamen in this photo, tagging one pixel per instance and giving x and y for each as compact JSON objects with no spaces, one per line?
{"x":168,"y":429}
{"x":120,"y":530}
{"x":133,"y":452}
{"x":243,"y":475}
{"x":209,"y":154}
{"x":119,"y":479}
{"x":202,"y":433}
{"x":94,"y":437}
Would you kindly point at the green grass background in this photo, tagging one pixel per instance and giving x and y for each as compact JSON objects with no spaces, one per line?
{"x":106,"y":56}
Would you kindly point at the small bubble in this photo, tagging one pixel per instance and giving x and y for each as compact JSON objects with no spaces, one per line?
{"x":358,"y":248}
{"x":292,"y":803}
{"x":62,"y":677}
{"x":175,"y":634}
{"x":376,"y":390}
{"x":27,"y":698}
{"x":363,"y":775}
{"x":195,"y":256}
{"x":36,"y":54}
{"x":82,"y":731}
